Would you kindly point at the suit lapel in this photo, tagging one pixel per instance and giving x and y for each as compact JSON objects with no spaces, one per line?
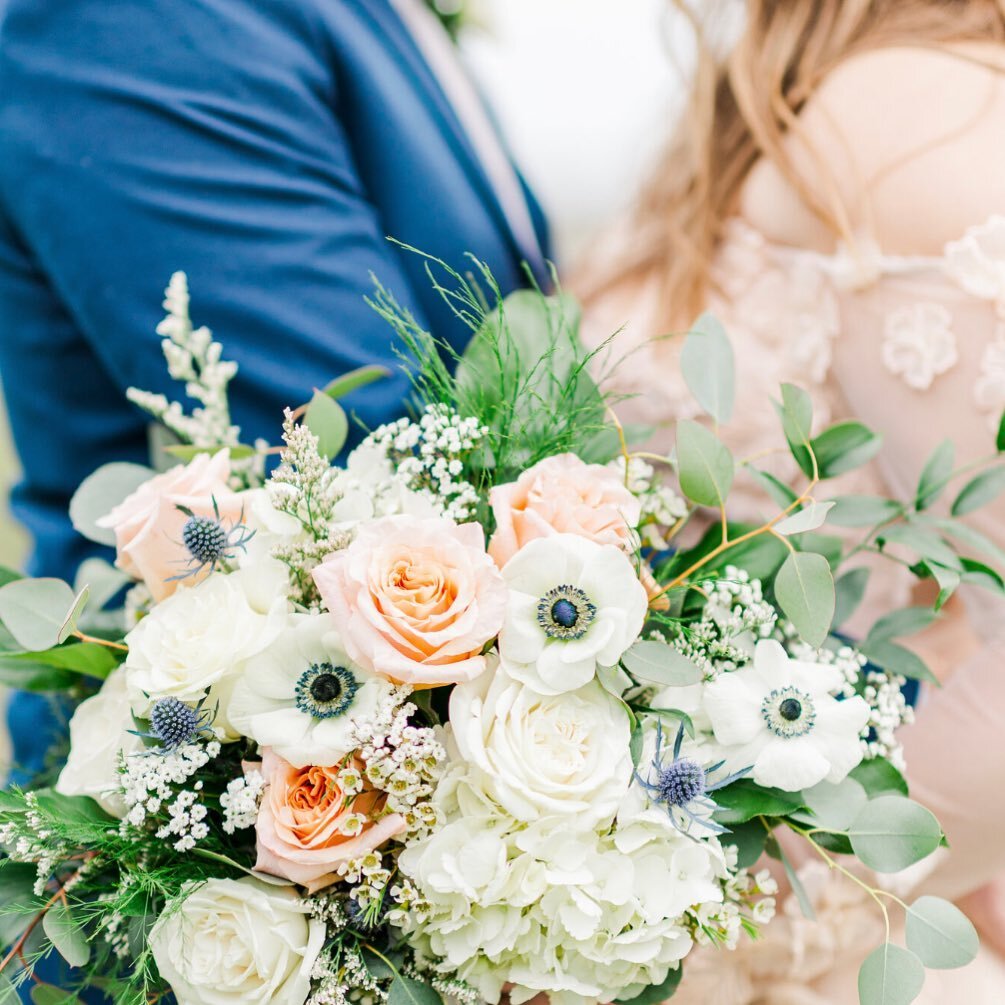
{"x":393,"y":29}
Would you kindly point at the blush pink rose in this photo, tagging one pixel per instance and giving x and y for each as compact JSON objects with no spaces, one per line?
{"x":303,"y":818}
{"x":415,"y":600}
{"x":563,"y":495}
{"x":148,"y":523}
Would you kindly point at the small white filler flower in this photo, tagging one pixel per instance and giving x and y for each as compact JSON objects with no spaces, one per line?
{"x":777,"y":715}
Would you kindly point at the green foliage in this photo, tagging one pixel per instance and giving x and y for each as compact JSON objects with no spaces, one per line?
{"x":744,"y":800}
{"x":657,"y":992}
{"x":708,"y":367}
{"x":405,"y":990}
{"x":705,"y":465}
{"x":749,"y":840}
{"x":354,"y":380}
{"x":984,"y":488}
{"x":935,"y":475}
{"x":326,"y":419}
{"x":804,"y":589}
{"x":658,"y":663}
{"x":775,"y":850}
{"x":849,"y":589}
{"x":892,"y":832}
{"x":863,"y":511}
{"x":40,"y":613}
{"x":890,"y":976}
{"x":879,"y":777}
{"x":940,"y":934}
{"x":100,"y":493}
{"x":844,"y":447}
{"x":833,"y":806}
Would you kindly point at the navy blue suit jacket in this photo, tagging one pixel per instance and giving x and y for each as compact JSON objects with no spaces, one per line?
{"x":265,"y":147}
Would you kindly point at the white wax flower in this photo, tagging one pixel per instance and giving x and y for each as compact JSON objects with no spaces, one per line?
{"x":574,"y":605}
{"x":777,"y":715}
{"x":541,"y":755}
{"x":302,"y":694}
{"x":233,"y":942}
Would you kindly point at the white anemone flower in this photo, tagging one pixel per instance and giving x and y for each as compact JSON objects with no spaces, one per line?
{"x":777,"y":716}
{"x":302,"y":694}
{"x":573,"y":605}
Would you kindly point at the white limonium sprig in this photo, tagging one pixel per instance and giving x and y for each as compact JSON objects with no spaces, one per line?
{"x":193,"y":357}
{"x":240,"y":801}
{"x":428,"y":457}
{"x":662,"y":507}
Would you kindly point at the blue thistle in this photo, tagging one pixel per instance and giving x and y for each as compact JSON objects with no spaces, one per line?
{"x":173,"y":723}
{"x":683,"y":786}
{"x":209,"y":542}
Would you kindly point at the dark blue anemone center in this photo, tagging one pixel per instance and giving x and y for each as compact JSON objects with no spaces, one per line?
{"x":790,"y":709}
{"x":564,"y":613}
{"x":325,"y":691}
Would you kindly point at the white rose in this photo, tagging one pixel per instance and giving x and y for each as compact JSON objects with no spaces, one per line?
{"x":574,"y":605}
{"x":191,"y":643}
{"x":99,"y":732}
{"x":777,"y":715}
{"x":263,"y":577}
{"x":370,"y":489}
{"x":543,"y":755}
{"x":232,"y":942}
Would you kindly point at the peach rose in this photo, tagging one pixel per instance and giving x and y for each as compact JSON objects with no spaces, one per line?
{"x":148,"y":524}
{"x":305,"y":828}
{"x":415,"y":600}
{"x":562,"y":495}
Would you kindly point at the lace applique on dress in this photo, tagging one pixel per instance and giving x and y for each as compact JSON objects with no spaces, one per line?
{"x":919,"y":343}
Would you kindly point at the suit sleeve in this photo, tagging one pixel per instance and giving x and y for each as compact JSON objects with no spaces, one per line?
{"x":147,"y":137}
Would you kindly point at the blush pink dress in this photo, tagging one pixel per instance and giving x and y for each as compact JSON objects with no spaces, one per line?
{"x":915,"y":348}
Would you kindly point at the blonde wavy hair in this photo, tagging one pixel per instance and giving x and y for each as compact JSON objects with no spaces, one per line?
{"x":741,"y":108}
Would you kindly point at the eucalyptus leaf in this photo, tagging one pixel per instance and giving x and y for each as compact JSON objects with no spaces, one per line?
{"x":749,"y":840}
{"x":947,"y":579}
{"x":862,"y":511}
{"x":935,"y":475}
{"x":705,"y":465}
{"x":409,"y":991}
{"x":8,"y":993}
{"x":105,"y":581}
{"x":966,"y":534}
{"x":100,"y":493}
{"x":69,"y":625}
{"x":940,"y":934}
{"x":892,"y":832}
{"x":776,"y":851}
{"x":780,"y":493}
{"x":186,"y":452}
{"x":879,"y":777}
{"x":658,"y":663}
{"x":849,"y":589}
{"x":708,"y":367}
{"x":355,"y":379}
{"x":810,"y":517}
{"x":636,"y":744}
{"x":896,"y":659}
{"x":90,"y":659}
{"x":796,"y":413}
{"x":897,"y":624}
{"x":35,"y":611}
{"x":66,"y":935}
{"x":804,"y":588}
{"x":656,"y":993}
{"x":833,"y":806}
{"x":982,"y":575}
{"x":890,"y":976}
{"x":675,"y":715}
{"x":978,"y":492}
{"x":326,"y":419}
{"x":744,"y":799}
{"x":49,"y":994}
{"x":924,"y":542}
{"x":844,"y":447}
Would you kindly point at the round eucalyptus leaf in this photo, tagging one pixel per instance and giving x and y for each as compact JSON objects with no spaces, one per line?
{"x":890,"y":976}
{"x":100,"y":493}
{"x":326,"y":419}
{"x":66,"y":935}
{"x":834,"y":806}
{"x":658,"y":663}
{"x":804,"y":588}
{"x":940,"y":934}
{"x":35,"y":611}
{"x":892,"y":832}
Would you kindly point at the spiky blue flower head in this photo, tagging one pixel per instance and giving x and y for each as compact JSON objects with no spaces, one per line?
{"x":174,"y":723}
{"x":205,"y":539}
{"x":681,"y":782}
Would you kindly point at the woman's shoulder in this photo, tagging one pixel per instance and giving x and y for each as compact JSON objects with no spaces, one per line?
{"x":889,"y":131}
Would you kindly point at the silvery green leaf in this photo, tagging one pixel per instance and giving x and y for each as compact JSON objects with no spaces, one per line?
{"x":978,"y":492}
{"x":705,"y":465}
{"x":924,"y":542}
{"x":69,"y":625}
{"x":780,"y":493}
{"x":708,"y":367}
{"x":326,"y":419}
{"x":834,"y":805}
{"x":906,"y":621}
{"x":862,"y":511}
{"x":409,"y":991}
{"x":849,"y":589}
{"x":947,"y":579}
{"x":936,"y":474}
{"x":658,"y":663}
{"x":804,"y":588}
{"x":796,"y":413}
{"x":66,"y":935}
{"x":940,"y":934}
{"x":896,"y":659}
{"x":354,"y":380}
{"x":810,"y":517}
{"x":844,"y":447}
{"x":892,"y":832}
{"x":35,"y":611}
{"x":100,"y":493}
{"x":104,"y":580}
{"x":775,"y":850}
{"x":879,"y":777}
{"x":890,"y":976}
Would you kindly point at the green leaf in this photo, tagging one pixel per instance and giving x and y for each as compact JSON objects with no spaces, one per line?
{"x":893,"y":832}
{"x":69,"y":625}
{"x":659,"y":663}
{"x":983,"y":575}
{"x":804,"y":588}
{"x":708,"y":367}
{"x":879,"y":777}
{"x":408,"y":991}
{"x":1000,"y":438}
{"x":776,"y":851}
{"x":796,"y":412}
{"x":744,"y":799}
{"x":73,"y":809}
{"x":186,"y":452}
{"x":8,"y":993}
{"x":844,"y":447}
{"x":17,"y":883}
{"x":897,"y":660}
{"x":760,"y":556}
{"x":355,"y":379}
{"x":862,"y":511}
{"x":35,"y":611}
{"x":674,"y":714}
{"x":849,"y":590}
{"x":379,"y":968}
{"x":656,"y":993}
{"x":326,"y":419}
{"x":833,"y":806}
{"x":103,"y":578}
{"x":636,"y":744}
{"x":974,"y":538}
{"x":749,"y":840}
{"x":705,"y":466}
{"x":780,"y":493}
{"x":988,"y":485}
{"x":810,"y":517}
{"x":897,"y":624}
{"x":8,"y":575}
{"x":49,"y":994}
{"x":928,"y":545}
{"x":940,"y":934}
{"x":88,"y":658}
{"x":828,"y":545}
{"x":947,"y":579}
{"x":66,"y":935}
{"x":936,"y":474}
{"x":890,"y":976}
{"x":100,"y":493}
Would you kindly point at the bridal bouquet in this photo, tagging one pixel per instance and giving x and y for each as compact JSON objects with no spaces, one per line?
{"x":500,"y":706}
